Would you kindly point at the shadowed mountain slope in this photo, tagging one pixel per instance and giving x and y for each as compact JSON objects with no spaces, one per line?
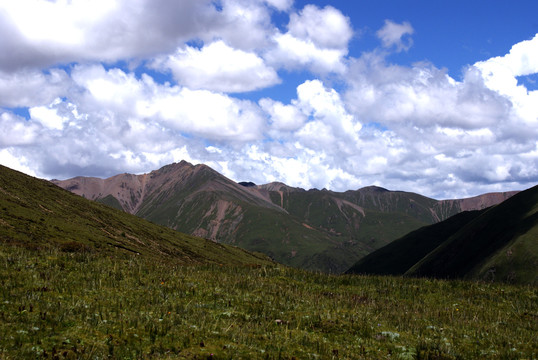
{"x":314,"y":229}
{"x":37,"y":214}
{"x":401,"y":254}
{"x":499,"y":243}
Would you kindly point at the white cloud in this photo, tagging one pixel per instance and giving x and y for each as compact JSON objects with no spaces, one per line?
{"x":200,"y":113}
{"x":396,"y":35}
{"x":44,"y":33}
{"x":281,"y":5}
{"x":218,"y":67}
{"x":293,"y":53}
{"x":208,"y":115}
{"x":111,"y":119}
{"x":500,"y":74}
{"x":332,"y":125}
{"x":16,"y":131}
{"x":368,"y":122}
{"x":283,"y":117}
{"x":27,"y":88}
{"x":316,"y":39}
{"x":422,"y":95}
{"x":48,"y":117}
{"x":17,"y":162}
{"x":465,"y":129}
{"x":327,"y":28}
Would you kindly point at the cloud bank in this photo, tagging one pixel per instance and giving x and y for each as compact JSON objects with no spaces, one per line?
{"x":103,"y":87}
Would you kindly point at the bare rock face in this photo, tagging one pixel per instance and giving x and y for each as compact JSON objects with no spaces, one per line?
{"x":484,"y":201}
{"x":128,"y":189}
{"x":324,"y":230}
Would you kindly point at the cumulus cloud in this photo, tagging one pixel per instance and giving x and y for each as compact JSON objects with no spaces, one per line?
{"x":43,"y":33}
{"x":451,"y":133}
{"x":235,"y":70}
{"x":281,"y":5}
{"x":326,"y":28}
{"x":396,"y":35}
{"x":421,"y":95}
{"x":16,"y":131}
{"x":32,"y":87}
{"x":500,"y":74}
{"x":366,"y":121}
{"x":200,"y":113}
{"x":292,"y":53}
{"x":48,"y":117}
{"x":316,"y":39}
{"x":283,"y":117}
{"x":111,"y":119}
{"x":13,"y":159}
{"x":332,"y":127}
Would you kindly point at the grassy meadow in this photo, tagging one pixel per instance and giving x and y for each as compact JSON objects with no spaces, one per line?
{"x":85,"y":305}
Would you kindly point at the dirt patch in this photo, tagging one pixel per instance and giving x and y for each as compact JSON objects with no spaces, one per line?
{"x":341,"y":202}
{"x":308,"y":226}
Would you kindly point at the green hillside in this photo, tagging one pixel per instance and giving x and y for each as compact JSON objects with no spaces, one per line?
{"x":36,"y":214}
{"x":371,"y":221}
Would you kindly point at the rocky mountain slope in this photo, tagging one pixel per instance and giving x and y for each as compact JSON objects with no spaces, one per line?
{"x":36,"y":214}
{"x":314,"y":229}
{"x":496,"y":244}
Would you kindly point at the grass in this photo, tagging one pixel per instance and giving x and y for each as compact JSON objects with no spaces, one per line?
{"x":86,"y":305}
{"x":37,"y":214}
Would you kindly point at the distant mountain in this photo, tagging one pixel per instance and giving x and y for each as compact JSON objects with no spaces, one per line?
{"x":499,"y":243}
{"x":35,"y":214}
{"x":314,"y":229}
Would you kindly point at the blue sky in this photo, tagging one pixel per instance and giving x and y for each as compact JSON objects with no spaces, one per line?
{"x":435,"y":97}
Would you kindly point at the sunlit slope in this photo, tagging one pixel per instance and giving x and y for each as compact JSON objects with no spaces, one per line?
{"x":37,"y":214}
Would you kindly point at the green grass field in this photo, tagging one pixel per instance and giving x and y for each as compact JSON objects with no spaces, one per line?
{"x":80,"y":305}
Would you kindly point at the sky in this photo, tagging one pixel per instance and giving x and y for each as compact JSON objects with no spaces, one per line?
{"x":434,"y":97}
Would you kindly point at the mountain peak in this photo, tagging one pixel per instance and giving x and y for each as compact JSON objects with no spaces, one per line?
{"x":373,"y":188}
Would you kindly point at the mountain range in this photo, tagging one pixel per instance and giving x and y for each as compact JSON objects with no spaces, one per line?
{"x":313,"y":229}
{"x":495,"y":244}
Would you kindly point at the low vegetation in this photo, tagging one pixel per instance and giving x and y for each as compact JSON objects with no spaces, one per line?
{"x":58,"y":304}
{"x":80,"y":280}
{"x":37,"y":215}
